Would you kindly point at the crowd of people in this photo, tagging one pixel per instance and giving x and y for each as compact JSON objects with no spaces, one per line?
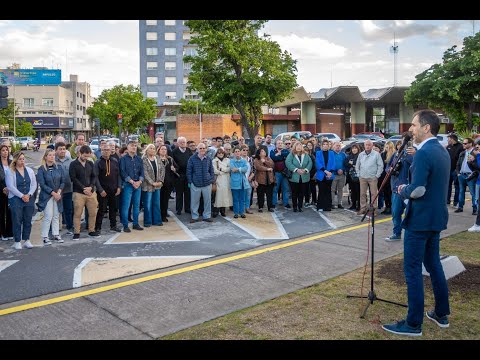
{"x":208,"y":179}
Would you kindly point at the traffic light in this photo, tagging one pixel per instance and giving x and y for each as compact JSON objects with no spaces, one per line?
{"x":3,"y":97}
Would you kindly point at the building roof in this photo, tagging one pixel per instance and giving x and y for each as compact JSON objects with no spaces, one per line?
{"x":394,"y":94}
{"x":299,"y":95}
{"x":337,"y":95}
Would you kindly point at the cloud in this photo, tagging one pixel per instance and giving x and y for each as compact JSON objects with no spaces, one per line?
{"x":357,"y":65}
{"x":95,"y":62}
{"x":374,"y":30}
{"x":4,"y":22}
{"x":303,"y":47}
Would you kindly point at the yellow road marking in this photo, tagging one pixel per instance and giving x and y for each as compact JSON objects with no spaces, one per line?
{"x":177,"y":271}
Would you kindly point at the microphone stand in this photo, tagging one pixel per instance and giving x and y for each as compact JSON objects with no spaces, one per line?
{"x":372,"y":296}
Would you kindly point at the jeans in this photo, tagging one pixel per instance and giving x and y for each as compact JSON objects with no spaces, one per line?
{"x":22,"y":214}
{"x":51,"y":217}
{"x":206,"y":193}
{"x":454,"y":178}
{"x":151,"y":208}
{"x":130,"y":194}
{"x":398,"y":206}
{"x":68,"y":210}
{"x":239,"y":201}
{"x":282,"y":181}
{"x":418,"y":247}
{"x":248,"y":193}
{"x":462,"y":183}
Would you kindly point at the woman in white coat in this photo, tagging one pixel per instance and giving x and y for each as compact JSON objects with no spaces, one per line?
{"x":223,"y":195}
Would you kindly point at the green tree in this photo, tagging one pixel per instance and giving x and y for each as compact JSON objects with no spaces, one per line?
{"x":235,"y":67}
{"x":126,"y":100}
{"x":453,"y":85}
{"x":6,"y":115}
{"x":25,"y":128}
{"x":197,"y":106}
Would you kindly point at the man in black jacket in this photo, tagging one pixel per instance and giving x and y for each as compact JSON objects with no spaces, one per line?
{"x":108,"y":188}
{"x":82,"y":174}
{"x":180,"y":155}
{"x":454,"y":149}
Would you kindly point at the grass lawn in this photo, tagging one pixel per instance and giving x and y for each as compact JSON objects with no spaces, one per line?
{"x":323,"y":311}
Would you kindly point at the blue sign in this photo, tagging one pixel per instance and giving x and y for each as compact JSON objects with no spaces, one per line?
{"x":30,"y":77}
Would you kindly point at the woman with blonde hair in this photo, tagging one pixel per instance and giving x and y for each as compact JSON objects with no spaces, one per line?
{"x":52,"y":181}
{"x":300,"y":164}
{"x":22,"y":185}
{"x":154,"y":176}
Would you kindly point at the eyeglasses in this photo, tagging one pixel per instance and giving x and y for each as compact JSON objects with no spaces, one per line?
{"x":288,"y":143}
{"x":466,"y":143}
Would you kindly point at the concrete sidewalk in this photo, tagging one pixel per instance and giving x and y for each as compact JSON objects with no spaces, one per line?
{"x":183,"y":296}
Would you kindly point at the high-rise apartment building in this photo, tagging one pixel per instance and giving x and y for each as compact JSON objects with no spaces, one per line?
{"x":163,"y":73}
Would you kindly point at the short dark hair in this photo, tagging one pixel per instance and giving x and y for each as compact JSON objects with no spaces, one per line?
{"x":429,"y":117}
{"x":60,"y":144}
{"x":85,"y":149}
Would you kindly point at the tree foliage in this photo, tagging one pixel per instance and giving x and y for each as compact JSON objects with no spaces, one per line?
{"x":235,"y":67}
{"x":6,"y":115}
{"x":25,"y":128}
{"x":453,"y":85}
{"x":197,"y":107}
{"x":127,"y":100}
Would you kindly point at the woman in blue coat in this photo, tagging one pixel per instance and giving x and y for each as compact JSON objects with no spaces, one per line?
{"x":52,"y":181}
{"x":325,"y":162}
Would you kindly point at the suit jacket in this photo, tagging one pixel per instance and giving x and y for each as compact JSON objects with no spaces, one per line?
{"x":149,"y":174}
{"x":427,"y":190}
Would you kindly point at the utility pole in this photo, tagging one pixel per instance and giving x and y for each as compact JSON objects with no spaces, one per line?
{"x":394,"y":50}
{"x":14,"y":122}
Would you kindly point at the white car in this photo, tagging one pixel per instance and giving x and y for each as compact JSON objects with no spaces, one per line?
{"x":26,"y":141}
{"x":94,"y":145}
{"x":443,"y":139}
{"x":330,"y":136}
{"x":116,"y":140}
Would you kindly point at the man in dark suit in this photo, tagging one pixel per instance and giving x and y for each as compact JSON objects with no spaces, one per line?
{"x":426,"y":216}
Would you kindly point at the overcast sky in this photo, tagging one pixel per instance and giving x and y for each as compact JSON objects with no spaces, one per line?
{"x":329,"y":52}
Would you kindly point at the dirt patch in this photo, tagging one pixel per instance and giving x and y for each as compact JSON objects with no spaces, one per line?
{"x":466,"y":282}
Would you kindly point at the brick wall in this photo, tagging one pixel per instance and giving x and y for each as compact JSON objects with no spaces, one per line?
{"x":212,"y":125}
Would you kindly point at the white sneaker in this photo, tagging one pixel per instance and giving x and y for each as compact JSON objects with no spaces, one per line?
{"x":58,"y":239}
{"x":46,"y":241}
{"x":17,"y":246}
{"x":27,"y":244}
{"x":474,"y":228}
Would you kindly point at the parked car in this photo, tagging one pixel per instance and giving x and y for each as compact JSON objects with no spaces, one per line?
{"x":26,"y":141}
{"x":330,"y":136}
{"x":117,"y":140}
{"x":94,"y":145}
{"x":378,"y":133}
{"x":288,"y":135}
{"x":443,"y":139}
{"x":8,"y":140}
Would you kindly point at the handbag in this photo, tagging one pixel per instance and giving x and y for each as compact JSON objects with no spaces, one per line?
{"x":287,"y":173}
{"x":353,"y":174}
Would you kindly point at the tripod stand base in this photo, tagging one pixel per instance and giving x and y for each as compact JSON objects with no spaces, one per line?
{"x":372,"y":297}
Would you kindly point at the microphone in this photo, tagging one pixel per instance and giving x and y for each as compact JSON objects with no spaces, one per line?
{"x":407,"y":138}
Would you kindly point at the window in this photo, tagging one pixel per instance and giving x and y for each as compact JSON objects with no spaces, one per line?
{"x":170,"y":95}
{"x":28,"y":102}
{"x":169,"y":22}
{"x":170,"y":80}
{"x":170,"y":36}
{"x":151,"y":80}
{"x":187,"y":66}
{"x":47,"y":102}
{"x":152,"y":94}
{"x":185,"y":80}
{"x":191,"y":96}
{"x":152,"y":51}
{"x":151,"y":36}
{"x":152,"y":65}
{"x":170,"y":51}
{"x":192,"y":51}
{"x":187,"y":35}
{"x":150,"y":22}
{"x":170,"y":65}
